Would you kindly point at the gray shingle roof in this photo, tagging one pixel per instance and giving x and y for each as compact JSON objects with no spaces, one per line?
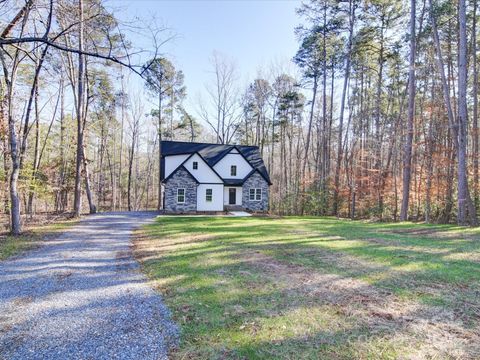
{"x":213,"y":153}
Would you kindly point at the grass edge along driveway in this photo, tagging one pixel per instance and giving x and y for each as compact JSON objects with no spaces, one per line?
{"x":304,"y":287}
{"x":11,"y":246}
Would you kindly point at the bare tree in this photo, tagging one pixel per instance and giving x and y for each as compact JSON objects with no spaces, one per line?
{"x":221,"y":112}
{"x":16,"y":42}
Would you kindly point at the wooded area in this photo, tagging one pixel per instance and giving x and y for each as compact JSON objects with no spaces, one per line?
{"x":379,"y":118}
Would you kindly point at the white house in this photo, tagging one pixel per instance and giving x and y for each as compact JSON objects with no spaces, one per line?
{"x":198,"y":177}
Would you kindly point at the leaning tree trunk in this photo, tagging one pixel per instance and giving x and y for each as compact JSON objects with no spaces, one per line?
{"x":91,"y":204}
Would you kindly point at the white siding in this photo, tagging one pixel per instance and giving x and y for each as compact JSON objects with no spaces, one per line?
{"x":223,"y":166}
{"x":172,"y":162}
{"x":204,"y":174}
{"x":217,"y":197}
{"x":226,"y":195}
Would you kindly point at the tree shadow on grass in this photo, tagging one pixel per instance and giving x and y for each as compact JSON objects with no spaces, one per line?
{"x":214,"y":290}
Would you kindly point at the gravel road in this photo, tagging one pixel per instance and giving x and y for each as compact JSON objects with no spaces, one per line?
{"x":82,"y":296}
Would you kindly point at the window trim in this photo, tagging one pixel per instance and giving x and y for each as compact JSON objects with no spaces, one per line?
{"x":233,"y":167}
{"x":256,"y":191}
{"x":207,"y":195}
{"x":195,"y":165}
{"x":250,"y":194}
{"x":184,"y":195}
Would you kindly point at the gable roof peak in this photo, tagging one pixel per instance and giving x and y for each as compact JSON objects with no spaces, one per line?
{"x":212,"y":153}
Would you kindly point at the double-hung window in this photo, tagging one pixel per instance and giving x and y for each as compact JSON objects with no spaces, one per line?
{"x":208,"y":195}
{"x":181,"y":196}
{"x":233,"y":170}
{"x":195,"y":165}
{"x":255,"y":194}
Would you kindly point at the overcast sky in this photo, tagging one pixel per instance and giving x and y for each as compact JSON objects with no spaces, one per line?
{"x":254,"y":34}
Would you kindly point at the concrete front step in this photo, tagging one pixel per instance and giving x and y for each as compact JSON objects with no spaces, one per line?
{"x":234,"y":208}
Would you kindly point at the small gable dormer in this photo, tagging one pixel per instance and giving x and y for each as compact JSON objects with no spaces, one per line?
{"x":233,"y":166}
{"x":200,"y":170}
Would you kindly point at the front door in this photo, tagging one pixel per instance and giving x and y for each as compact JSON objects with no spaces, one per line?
{"x":232,"y":196}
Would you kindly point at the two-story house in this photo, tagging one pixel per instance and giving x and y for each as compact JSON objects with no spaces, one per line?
{"x":199,"y":177}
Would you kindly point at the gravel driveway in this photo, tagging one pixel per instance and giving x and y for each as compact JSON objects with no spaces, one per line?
{"x":81,"y":296}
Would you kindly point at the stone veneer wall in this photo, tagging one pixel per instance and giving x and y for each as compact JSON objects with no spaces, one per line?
{"x":181,"y":179}
{"x":255,"y":181}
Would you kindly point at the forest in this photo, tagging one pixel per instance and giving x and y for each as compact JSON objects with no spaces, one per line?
{"x":378,"y":118}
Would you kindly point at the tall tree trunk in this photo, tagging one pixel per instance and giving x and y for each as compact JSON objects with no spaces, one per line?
{"x":324,"y":105}
{"x":307,"y":142}
{"x":429,"y":153}
{"x":466,"y":211}
{"x":475,"y":108}
{"x":91,"y":204}
{"x":160,"y":202}
{"x":62,"y":192}
{"x":352,"y":8}
{"x":378,"y":139}
{"x":10,"y":79}
{"x":15,"y":225}
{"x":459,"y":132}
{"x":6,"y":201}
{"x":36,"y":154}
{"x":77,"y":206}
{"x":130,"y":167}
{"x":120,"y":159}
{"x":407,"y":157}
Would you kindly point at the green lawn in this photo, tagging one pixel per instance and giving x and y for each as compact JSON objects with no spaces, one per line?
{"x":310,"y":288}
{"x":13,"y":245}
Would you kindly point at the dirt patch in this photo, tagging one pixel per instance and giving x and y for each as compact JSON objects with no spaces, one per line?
{"x":431,"y":233}
{"x":145,"y":249}
{"x":464,"y":256}
{"x":327,"y":287}
{"x":343,"y":262}
{"x":431,"y":330}
{"x":414,"y":231}
{"x":401,"y":246}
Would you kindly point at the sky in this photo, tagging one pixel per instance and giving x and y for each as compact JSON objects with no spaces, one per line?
{"x":254,"y":34}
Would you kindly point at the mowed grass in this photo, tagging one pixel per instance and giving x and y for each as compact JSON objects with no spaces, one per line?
{"x":30,"y":238}
{"x":316,"y":288}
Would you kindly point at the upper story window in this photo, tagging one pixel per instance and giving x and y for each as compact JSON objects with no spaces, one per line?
{"x":195,"y":165}
{"x":209,"y":195}
{"x":180,"y":196}
{"x":233,"y":170}
{"x":255,"y":194}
